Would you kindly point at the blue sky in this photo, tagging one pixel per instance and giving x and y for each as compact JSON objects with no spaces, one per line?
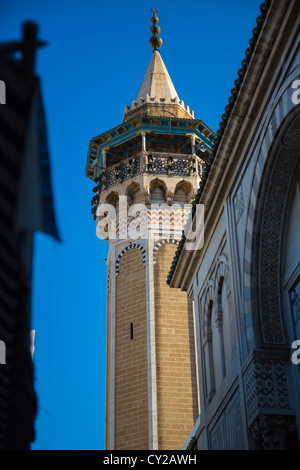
{"x":97,"y":55}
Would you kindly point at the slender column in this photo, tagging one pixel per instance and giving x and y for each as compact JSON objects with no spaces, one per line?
{"x":211,"y":365}
{"x":104,"y":158}
{"x":193,"y":143}
{"x":143,"y":134}
{"x":219,"y":323}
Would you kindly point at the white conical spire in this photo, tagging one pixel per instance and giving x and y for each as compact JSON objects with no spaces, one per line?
{"x":157,"y":95}
{"x":157,"y":82}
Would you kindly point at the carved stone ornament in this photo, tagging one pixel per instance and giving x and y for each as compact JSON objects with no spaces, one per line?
{"x":282,"y":167}
{"x":274,"y":432}
{"x":266,"y":387}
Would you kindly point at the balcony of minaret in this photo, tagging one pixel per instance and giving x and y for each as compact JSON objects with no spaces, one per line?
{"x":152,"y":168}
{"x":146,"y":165}
{"x":147,"y":135}
{"x":160,"y":204}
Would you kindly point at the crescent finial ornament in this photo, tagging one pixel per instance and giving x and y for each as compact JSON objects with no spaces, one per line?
{"x":155,"y":40}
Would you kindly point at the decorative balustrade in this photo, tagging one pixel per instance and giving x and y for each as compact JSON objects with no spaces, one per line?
{"x":152,"y":163}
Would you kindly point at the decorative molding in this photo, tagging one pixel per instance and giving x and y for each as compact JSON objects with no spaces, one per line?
{"x":222,"y":271}
{"x":275,"y":432}
{"x":160,"y":243}
{"x":238,"y":202}
{"x":295,"y":300}
{"x":219,"y":270}
{"x":129,"y":247}
{"x":151,"y":163}
{"x":192,"y":445}
{"x":209,"y":292}
{"x":142,"y":101}
{"x":265,"y":224}
{"x":266,"y":388}
{"x":268,"y":246}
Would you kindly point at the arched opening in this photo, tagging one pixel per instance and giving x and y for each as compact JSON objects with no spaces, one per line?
{"x":291,"y":280}
{"x":112,"y":198}
{"x":158,"y":191}
{"x":291,"y":260}
{"x":207,"y":352}
{"x":275,"y":264}
{"x":221,"y":322}
{"x":133,"y":194}
{"x":182,"y":192}
{"x":272,"y":218}
{"x":110,"y":215}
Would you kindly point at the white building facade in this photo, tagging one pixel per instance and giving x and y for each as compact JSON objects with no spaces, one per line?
{"x":245,"y":280}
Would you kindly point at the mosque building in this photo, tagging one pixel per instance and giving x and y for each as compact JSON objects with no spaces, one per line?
{"x":201,"y":331}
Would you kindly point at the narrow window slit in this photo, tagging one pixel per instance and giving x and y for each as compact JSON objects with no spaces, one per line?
{"x":131,"y":330}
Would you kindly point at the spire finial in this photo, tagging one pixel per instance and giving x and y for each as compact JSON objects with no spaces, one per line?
{"x":155,"y":40}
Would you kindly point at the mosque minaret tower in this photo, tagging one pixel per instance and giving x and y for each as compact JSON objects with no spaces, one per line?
{"x":148,"y":168}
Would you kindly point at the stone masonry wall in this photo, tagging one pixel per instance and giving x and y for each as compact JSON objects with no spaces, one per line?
{"x":175,"y":355}
{"x":131,"y":354}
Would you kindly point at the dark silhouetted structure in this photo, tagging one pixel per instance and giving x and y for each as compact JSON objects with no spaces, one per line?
{"x":26,"y":205}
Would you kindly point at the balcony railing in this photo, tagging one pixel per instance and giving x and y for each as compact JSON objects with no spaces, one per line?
{"x":151,"y":163}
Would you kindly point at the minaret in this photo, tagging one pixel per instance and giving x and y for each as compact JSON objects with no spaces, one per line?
{"x":147,"y":170}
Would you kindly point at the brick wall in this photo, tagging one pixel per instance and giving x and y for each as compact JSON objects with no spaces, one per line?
{"x":175,"y":355}
{"x":131,"y":354}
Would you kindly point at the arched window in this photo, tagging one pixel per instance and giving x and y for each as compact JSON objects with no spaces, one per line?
{"x":207,"y":354}
{"x":221,"y":318}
